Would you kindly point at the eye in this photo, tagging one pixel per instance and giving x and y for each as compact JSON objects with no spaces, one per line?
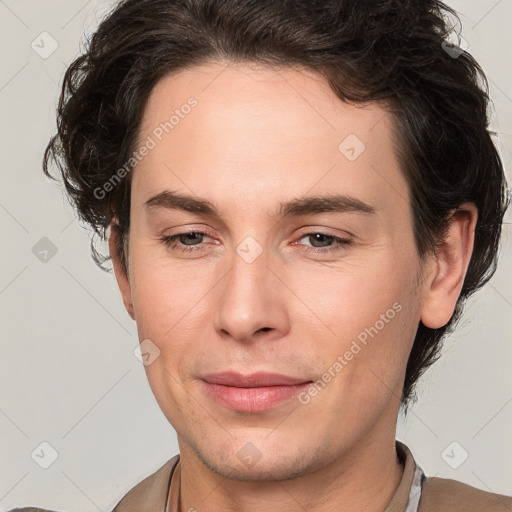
{"x":191,"y":241}
{"x":325,"y":242}
{"x":184,"y":241}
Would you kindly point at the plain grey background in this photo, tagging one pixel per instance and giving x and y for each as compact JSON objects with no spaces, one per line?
{"x":68,"y":374}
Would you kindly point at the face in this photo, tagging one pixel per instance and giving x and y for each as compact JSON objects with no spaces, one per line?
{"x":294,"y":254}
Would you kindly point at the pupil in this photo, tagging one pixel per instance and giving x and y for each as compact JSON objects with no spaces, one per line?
{"x":320,"y":235}
{"x":191,"y":236}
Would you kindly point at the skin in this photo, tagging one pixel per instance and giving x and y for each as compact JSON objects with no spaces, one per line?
{"x":259,"y":137}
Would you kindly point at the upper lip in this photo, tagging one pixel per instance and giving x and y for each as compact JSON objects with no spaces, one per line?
{"x":253,"y":380}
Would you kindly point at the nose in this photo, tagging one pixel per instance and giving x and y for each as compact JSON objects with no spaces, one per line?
{"x":251,"y":301}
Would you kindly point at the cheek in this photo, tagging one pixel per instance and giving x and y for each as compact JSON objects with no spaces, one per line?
{"x":364,"y":321}
{"x":351,"y":296}
{"x":163,"y":293}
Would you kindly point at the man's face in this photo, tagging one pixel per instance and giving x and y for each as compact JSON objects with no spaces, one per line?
{"x":271,"y":289}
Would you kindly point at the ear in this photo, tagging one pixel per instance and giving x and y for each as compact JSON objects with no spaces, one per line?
{"x":121,"y":276}
{"x":450,"y":264}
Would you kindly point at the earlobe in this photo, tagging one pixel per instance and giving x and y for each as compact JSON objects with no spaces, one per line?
{"x":451,"y":263}
{"x":121,"y":276}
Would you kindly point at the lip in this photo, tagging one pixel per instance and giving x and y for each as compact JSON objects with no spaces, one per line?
{"x":253,"y":380}
{"x":256,"y":392}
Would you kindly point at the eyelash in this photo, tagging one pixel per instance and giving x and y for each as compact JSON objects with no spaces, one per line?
{"x":169,"y":241}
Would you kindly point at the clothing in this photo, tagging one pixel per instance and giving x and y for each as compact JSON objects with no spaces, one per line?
{"x":415,"y":493}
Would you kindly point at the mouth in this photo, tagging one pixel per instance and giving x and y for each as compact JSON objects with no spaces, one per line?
{"x":256,"y":392}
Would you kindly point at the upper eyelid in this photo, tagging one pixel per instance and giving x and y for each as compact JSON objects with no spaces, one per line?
{"x":298,"y":237}
{"x":303,"y":230}
{"x":325,"y":231}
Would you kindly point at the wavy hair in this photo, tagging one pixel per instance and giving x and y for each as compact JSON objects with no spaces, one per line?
{"x":394,"y":52}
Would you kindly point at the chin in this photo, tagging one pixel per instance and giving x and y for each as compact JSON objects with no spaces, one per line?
{"x":251,"y":464}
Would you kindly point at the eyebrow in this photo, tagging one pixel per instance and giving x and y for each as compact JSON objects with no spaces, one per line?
{"x":333,"y":203}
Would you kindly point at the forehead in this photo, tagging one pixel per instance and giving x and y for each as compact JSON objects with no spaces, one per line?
{"x":238,"y":95}
{"x":264,"y":131}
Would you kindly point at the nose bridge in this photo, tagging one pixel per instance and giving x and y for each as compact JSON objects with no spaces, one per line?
{"x":247,"y":298}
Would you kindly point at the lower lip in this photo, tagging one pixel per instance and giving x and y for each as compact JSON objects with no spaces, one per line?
{"x":252,"y":399}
